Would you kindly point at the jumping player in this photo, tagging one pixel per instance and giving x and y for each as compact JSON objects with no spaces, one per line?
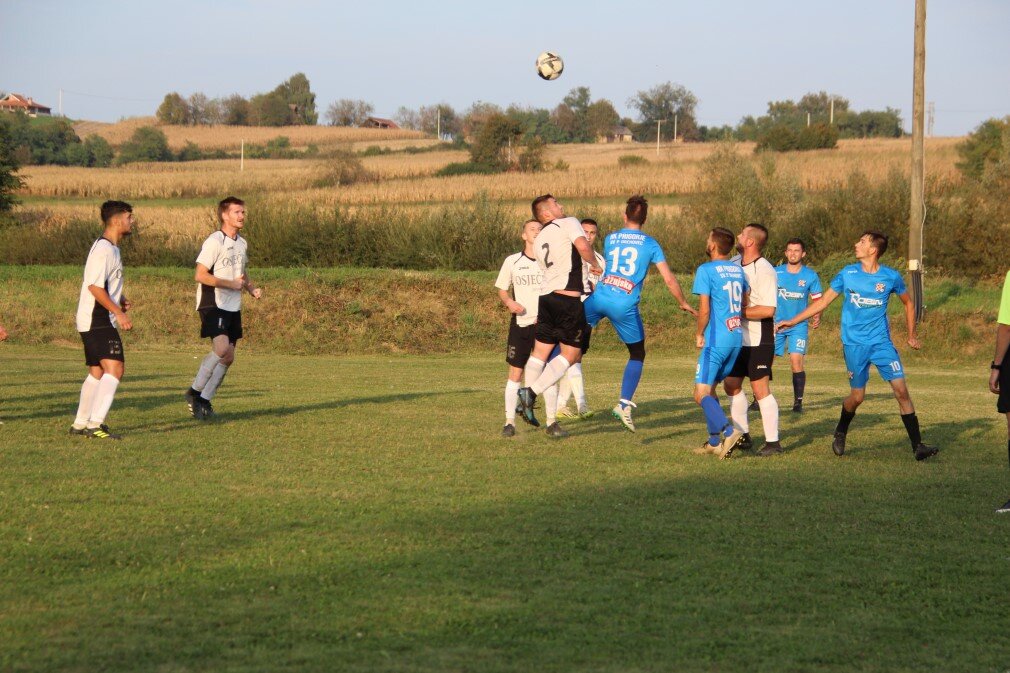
{"x":722,"y":291}
{"x":798,"y":286}
{"x":101,"y":309}
{"x":573,"y":383}
{"x":521,"y":274}
{"x":221,"y":277}
{"x":866,"y":335}
{"x":628,"y":253}
{"x":561,"y":318}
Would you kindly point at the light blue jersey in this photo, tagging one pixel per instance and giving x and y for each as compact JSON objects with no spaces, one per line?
{"x":724,"y":283}
{"x":864,"y":308}
{"x":796,"y":290}
{"x":628,"y":253}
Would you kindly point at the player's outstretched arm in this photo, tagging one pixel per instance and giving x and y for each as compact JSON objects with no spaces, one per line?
{"x":703,"y":313}
{"x":913,"y":340}
{"x":511,"y":304}
{"x":588,"y":255}
{"x":814,"y":308}
{"x":101,"y":295}
{"x":674,"y":287}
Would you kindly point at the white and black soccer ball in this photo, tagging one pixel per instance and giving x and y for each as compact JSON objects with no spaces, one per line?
{"x":549,"y":65}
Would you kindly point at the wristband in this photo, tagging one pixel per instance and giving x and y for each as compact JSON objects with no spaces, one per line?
{"x":995,"y":366}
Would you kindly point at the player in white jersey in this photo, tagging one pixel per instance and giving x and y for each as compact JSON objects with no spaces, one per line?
{"x":101,"y":309}
{"x":521,"y":274}
{"x":573,"y":383}
{"x":758,"y":352}
{"x":221,"y":276}
{"x":561,"y":318}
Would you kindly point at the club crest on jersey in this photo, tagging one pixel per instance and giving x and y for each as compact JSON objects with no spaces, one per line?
{"x":619,"y":283}
{"x":801,"y":282}
{"x":879,"y":287}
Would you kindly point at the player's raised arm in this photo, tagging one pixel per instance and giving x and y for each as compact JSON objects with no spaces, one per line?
{"x":674,"y":287}
{"x":814,"y":308}
{"x":913,"y":340}
{"x":588,"y":255}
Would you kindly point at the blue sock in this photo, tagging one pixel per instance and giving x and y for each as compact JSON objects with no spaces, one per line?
{"x":556,"y":351}
{"x":632,"y":375}
{"x":715,"y":418}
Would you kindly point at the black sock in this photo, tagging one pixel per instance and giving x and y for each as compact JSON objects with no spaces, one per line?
{"x":843,"y":422}
{"x":911,"y":422}
{"x":799,"y":383}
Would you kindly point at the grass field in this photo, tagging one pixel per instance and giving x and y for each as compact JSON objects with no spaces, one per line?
{"x":361,"y":514}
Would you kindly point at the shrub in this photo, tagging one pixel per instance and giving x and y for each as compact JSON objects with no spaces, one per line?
{"x":626,"y":160}
{"x":987,"y":146}
{"x":463,"y":168}
{"x":343,"y":168}
{"x":146,"y":144}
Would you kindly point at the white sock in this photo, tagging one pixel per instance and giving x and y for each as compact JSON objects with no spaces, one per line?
{"x":88,"y":390}
{"x":534,"y":368}
{"x":216,"y":377}
{"x":511,"y":400}
{"x":103,"y":400}
{"x":770,"y":418}
{"x":738,"y":411}
{"x":551,"y":404}
{"x":565,"y":389}
{"x":553,"y":372}
{"x":206,"y":369}
{"x":574,"y":377}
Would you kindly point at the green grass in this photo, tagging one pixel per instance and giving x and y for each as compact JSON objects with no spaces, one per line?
{"x":361,"y":514}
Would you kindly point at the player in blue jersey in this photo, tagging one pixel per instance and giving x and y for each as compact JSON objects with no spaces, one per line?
{"x":866,"y":335}
{"x":628,"y":253}
{"x":798,"y":285}
{"x":722,"y":291}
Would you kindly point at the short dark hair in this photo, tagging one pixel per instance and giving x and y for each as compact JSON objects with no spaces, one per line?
{"x":797,"y":241}
{"x":637,"y":209}
{"x":591,"y":221}
{"x":535,"y":206}
{"x":723,"y":239}
{"x":112,"y":208}
{"x":762,"y":238}
{"x":225,"y":204}
{"x":877,"y":240}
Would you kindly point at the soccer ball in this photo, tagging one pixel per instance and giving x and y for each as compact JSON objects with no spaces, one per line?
{"x":549,"y":65}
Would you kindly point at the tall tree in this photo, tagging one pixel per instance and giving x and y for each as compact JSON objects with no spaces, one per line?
{"x":235,"y":110}
{"x":431,"y":117}
{"x":662,"y":102}
{"x":173,"y":110}
{"x":296,"y":91}
{"x":198,"y":108}
{"x":348,"y":112}
{"x":10,"y":181}
{"x":601,"y":118}
{"x":407,"y":118}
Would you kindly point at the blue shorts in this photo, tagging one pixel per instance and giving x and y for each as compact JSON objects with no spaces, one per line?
{"x":859,"y":358}
{"x":715,"y":363}
{"x":625,"y":318}
{"x":795,"y":340}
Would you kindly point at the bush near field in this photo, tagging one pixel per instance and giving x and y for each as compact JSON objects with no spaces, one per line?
{"x":352,"y":310}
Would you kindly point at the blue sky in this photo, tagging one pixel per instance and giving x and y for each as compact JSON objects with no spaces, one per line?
{"x":735,"y":55}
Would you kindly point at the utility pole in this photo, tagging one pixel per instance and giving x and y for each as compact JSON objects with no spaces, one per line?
{"x":659,"y":124}
{"x":930,"y":116}
{"x":808,"y":120}
{"x":675,"y":127}
{"x":917,"y":214}
{"x":241,"y":161}
{"x":61,"y":102}
{"x":832,"y":118}
{"x":438,"y":122}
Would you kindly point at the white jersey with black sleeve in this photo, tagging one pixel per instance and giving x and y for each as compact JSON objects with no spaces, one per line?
{"x":103,"y":269}
{"x":225,"y":258}
{"x":558,"y":256}
{"x":763,"y":282}
{"x":590,"y":279}
{"x":523,"y":275}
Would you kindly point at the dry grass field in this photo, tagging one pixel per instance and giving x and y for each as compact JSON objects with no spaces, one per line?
{"x":230,"y":137}
{"x":593,"y":171}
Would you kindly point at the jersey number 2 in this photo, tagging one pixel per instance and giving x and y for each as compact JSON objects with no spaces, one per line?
{"x":547,"y":255}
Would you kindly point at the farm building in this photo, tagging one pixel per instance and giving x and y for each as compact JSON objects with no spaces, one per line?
{"x":379,"y":123}
{"x":13,"y":102}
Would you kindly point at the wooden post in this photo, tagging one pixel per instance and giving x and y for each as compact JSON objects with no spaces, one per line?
{"x":917,"y":214}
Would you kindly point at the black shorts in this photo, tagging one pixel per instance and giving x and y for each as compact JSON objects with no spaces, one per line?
{"x":215,"y":322}
{"x":586,"y":336}
{"x":754,"y":363}
{"x":1003,"y":402}
{"x":102,"y":344}
{"x":520,"y":343}
{"x":561,"y":318}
